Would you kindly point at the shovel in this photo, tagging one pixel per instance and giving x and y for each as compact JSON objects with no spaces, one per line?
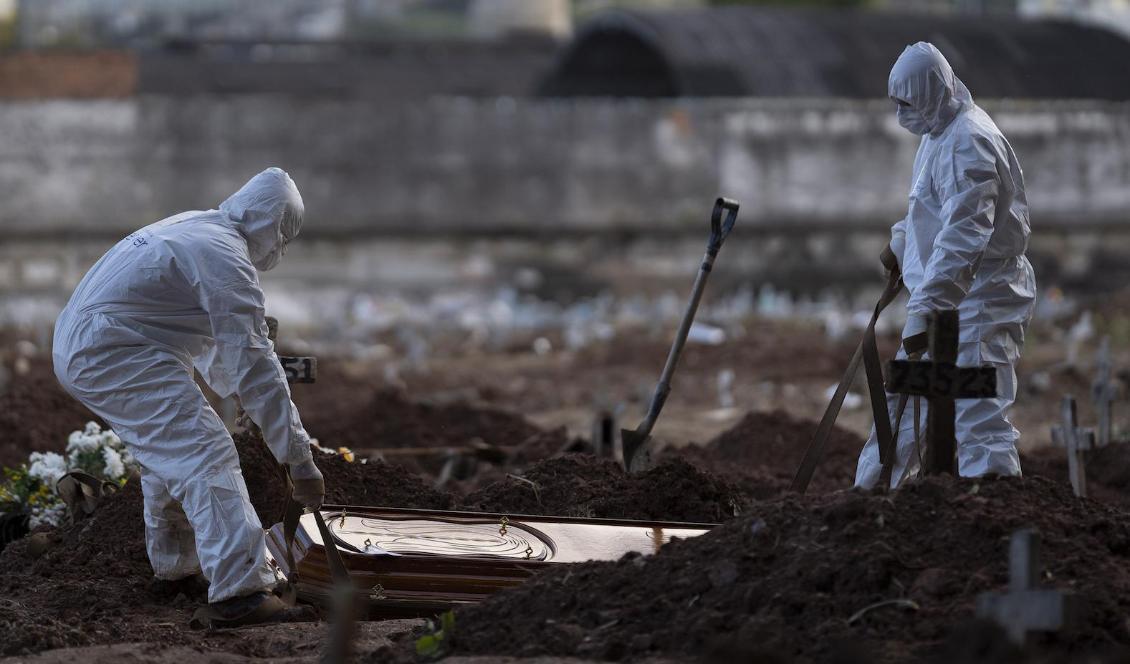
{"x":634,"y":443}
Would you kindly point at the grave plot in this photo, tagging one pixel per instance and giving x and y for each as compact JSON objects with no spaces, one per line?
{"x":848,"y":576}
{"x":420,"y":562}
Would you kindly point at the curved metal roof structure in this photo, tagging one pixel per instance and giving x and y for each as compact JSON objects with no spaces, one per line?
{"x":776,"y":52}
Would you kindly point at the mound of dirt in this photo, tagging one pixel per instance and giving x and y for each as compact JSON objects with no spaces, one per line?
{"x":1108,"y":470}
{"x":584,"y":486}
{"x":761,"y":454}
{"x":91,"y":576}
{"x":806,"y":578}
{"x":37,"y":415}
{"x":391,"y":420}
{"x":374,"y":483}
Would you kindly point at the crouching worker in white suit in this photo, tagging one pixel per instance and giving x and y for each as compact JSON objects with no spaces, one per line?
{"x":182,"y":293}
{"x":961,"y":246}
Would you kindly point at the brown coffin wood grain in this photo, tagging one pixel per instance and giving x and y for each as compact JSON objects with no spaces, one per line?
{"x":447,"y":558}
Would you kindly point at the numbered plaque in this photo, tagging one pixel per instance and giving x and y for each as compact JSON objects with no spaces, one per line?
{"x":299,"y":369}
{"x":941,"y":379}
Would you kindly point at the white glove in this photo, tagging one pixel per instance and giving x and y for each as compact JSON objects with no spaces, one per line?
{"x":309,"y":487}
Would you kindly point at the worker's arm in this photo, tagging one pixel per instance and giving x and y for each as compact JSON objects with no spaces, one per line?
{"x":891,"y":256}
{"x":969,"y":184}
{"x":242,"y":359}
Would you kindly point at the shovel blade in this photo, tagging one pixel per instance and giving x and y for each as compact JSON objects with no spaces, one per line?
{"x":633,"y":444}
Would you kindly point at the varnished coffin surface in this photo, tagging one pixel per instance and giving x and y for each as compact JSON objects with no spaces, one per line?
{"x":418,"y":562}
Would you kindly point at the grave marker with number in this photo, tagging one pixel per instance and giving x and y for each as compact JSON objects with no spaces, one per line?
{"x":940,"y":380}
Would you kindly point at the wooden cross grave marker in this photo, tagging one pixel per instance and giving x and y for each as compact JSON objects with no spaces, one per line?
{"x":1078,"y":441}
{"x":1104,"y":391}
{"x":1027,"y":606}
{"x":941,"y":381}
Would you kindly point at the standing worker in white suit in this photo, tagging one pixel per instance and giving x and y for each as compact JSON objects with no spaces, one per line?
{"x":961,"y":246}
{"x":183,"y":293}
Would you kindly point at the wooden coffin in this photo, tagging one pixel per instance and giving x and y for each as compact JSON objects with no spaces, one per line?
{"x":420,"y":562}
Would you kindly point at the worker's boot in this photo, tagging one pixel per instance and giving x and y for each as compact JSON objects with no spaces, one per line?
{"x":194,"y":587}
{"x":258,"y":607}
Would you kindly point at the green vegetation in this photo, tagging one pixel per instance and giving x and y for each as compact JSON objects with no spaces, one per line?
{"x":434,"y":644}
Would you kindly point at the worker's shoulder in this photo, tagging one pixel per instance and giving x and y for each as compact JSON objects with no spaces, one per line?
{"x":974,"y":127}
{"x":202,"y":242}
{"x":974,"y":137}
{"x":198,"y":231}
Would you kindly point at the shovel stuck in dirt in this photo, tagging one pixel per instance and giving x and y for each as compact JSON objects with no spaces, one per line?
{"x":634,"y":443}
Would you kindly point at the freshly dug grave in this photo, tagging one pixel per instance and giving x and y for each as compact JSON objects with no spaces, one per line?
{"x":762,"y":452}
{"x":579,"y":485}
{"x":36,"y":415}
{"x":791,"y":581}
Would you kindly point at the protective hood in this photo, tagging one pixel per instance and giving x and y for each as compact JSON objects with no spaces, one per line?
{"x":268,"y":211}
{"x":924,"y":79}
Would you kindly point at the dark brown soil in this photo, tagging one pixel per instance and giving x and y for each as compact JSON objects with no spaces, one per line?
{"x":375,"y":483}
{"x":762,"y":452}
{"x":780,"y":352}
{"x":36,"y":415}
{"x":787,"y":582}
{"x":391,"y":420}
{"x":584,"y":486}
{"x":1108,"y":470}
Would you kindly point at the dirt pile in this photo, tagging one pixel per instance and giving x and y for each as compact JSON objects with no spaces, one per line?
{"x":1108,"y":470}
{"x":761,"y":454}
{"x":36,"y":415}
{"x":391,"y":420}
{"x":801,"y":579}
{"x":583,"y":486}
{"x":82,"y":589}
{"x":374,"y":483}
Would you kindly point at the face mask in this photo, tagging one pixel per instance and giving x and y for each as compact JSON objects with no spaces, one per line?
{"x":912,"y":121}
{"x":272,"y":259}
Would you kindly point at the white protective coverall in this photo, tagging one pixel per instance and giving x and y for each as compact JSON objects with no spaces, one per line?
{"x":178,"y":294}
{"x":961,"y":246}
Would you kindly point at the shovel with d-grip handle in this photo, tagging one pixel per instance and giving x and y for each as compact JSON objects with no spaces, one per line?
{"x":634,"y":443}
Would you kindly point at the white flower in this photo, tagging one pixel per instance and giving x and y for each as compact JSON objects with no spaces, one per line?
{"x":47,"y":467}
{"x":92,"y":429}
{"x":47,"y":515}
{"x":114,"y":467}
{"x":110,"y":439}
{"x":81,"y":442}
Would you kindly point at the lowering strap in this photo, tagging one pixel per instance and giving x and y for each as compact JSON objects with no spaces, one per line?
{"x":292,"y":512}
{"x":868,"y":353}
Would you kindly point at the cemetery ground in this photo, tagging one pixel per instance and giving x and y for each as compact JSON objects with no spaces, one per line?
{"x":834,"y":575}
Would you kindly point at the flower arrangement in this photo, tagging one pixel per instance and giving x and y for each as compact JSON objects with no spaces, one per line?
{"x":30,"y":488}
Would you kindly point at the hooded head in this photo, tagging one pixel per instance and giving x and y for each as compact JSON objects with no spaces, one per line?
{"x":928,"y":94}
{"x":268,"y":212}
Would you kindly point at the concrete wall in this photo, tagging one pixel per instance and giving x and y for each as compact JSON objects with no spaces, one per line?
{"x":456,"y":166}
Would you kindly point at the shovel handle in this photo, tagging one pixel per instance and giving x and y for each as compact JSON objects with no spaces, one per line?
{"x":719,"y":229}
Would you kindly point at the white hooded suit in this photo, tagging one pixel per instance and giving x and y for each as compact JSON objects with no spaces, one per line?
{"x":961,"y":246}
{"x":183,"y":293}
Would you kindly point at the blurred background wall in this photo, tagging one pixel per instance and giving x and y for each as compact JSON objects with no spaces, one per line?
{"x":546,"y":149}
